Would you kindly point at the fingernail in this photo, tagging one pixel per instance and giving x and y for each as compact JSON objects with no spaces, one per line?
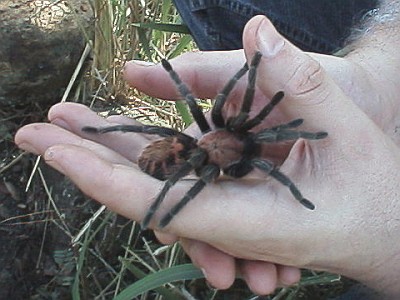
{"x":49,"y":157}
{"x":269,"y":41}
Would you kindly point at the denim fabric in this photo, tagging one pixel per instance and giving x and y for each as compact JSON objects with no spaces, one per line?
{"x":313,"y":25}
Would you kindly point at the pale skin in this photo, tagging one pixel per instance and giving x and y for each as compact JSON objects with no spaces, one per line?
{"x":254,"y":225}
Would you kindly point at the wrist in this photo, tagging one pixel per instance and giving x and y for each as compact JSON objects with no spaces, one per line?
{"x":376,"y":54}
{"x":378,"y":72}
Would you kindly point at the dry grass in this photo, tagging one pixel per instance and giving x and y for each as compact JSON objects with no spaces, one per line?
{"x":107,"y":253}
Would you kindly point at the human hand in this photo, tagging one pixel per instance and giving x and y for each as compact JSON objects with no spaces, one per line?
{"x":118,"y":152}
{"x":358,"y":75}
{"x":345,"y":176}
{"x":206,"y":72}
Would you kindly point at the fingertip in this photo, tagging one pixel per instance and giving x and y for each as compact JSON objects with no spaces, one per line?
{"x":288,"y":276}
{"x":133,"y":68}
{"x":165,"y":238}
{"x":249,"y":33}
{"x":150,"y":78}
{"x":23,"y":138}
{"x":218,"y":267}
{"x":65,"y":109}
{"x":261,"y":277}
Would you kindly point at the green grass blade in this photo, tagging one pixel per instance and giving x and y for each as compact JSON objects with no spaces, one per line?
{"x":166,"y":27}
{"x":138,"y":273}
{"x":180,"y":47}
{"x":165,"y":10}
{"x":144,"y":41}
{"x":183,"y":111}
{"x":324,"y":278}
{"x":158,"y":279}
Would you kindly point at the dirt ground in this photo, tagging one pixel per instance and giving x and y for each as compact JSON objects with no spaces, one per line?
{"x":29,"y":237}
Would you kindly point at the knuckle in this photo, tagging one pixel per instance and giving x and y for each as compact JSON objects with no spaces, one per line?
{"x":308,"y":79}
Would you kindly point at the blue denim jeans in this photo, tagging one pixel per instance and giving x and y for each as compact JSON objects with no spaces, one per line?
{"x":313,"y":25}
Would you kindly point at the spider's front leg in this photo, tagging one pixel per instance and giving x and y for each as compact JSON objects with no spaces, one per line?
{"x":234,"y":123}
{"x":271,"y":170}
{"x":207,"y":174}
{"x":196,"y":159}
{"x":147,"y":129}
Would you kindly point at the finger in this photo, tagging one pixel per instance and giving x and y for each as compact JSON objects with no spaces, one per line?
{"x":261,"y":277}
{"x":129,"y":192}
{"x":204,"y":72}
{"x":287,"y":275}
{"x":124,"y":189}
{"x":217,"y":266}
{"x":118,"y":119}
{"x":74,"y":117}
{"x":165,"y":238}
{"x":309,"y":92}
{"x":38,"y":137}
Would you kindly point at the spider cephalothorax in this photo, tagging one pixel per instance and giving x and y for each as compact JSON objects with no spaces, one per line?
{"x":231,"y":148}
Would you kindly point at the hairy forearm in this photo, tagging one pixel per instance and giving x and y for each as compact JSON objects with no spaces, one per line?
{"x":373,"y":50}
{"x":375,"y":47}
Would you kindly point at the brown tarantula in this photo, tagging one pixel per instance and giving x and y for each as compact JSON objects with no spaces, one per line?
{"x":230,"y":148}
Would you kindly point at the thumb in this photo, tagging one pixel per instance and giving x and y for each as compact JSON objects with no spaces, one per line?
{"x":309,"y":92}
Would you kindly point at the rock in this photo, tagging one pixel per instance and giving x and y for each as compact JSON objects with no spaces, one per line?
{"x":40,"y":45}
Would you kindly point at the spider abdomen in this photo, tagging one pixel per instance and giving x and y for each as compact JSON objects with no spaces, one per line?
{"x":162,"y":158}
{"x":223,"y":147}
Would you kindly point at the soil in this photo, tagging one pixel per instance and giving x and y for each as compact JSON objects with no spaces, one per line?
{"x":41,"y":43}
{"x":30,"y":238}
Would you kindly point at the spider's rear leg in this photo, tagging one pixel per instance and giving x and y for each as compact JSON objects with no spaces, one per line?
{"x":196,"y":159}
{"x":207,"y":174}
{"x":271,"y":170}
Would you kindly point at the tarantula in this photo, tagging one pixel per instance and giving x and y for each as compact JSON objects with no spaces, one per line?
{"x":230,"y":148}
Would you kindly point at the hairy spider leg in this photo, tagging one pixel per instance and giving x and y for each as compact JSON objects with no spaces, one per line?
{"x":207,"y":174}
{"x":196,"y":159}
{"x":277,"y":134}
{"x":216,"y":112}
{"x":270,"y":169}
{"x":249,"y":94}
{"x":263,"y":113}
{"x":292,"y":124}
{"x":196,"y":111}
{"x":240,"y":168}
{"x":148,"y":129}
{"x":236,"y":122}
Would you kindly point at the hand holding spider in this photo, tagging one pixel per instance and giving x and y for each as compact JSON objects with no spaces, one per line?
{"x":252,"y":219}
{"x":231,"y":148}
